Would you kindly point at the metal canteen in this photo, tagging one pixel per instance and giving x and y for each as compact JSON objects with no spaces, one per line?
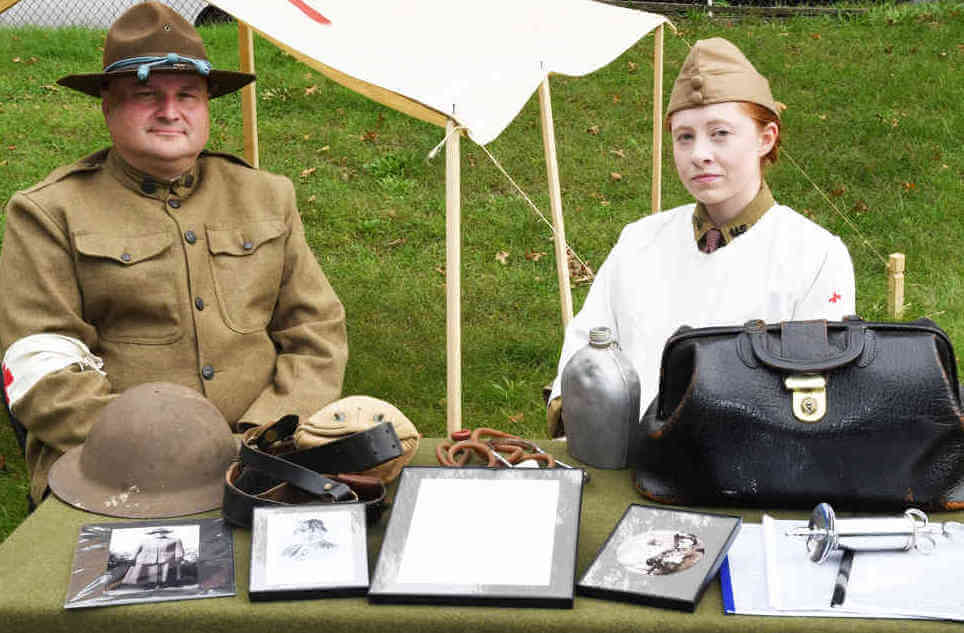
{"x":600,"y":401}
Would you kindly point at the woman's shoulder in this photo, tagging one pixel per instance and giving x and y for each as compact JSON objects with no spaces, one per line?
{"x":654,"y":226}
{"x":798,"y":228}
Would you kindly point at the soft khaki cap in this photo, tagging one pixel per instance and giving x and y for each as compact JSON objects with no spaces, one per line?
{"x":716,"y":71}
{"x":355,"y":414}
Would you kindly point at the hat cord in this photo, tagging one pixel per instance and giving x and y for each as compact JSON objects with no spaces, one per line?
{"x":144,"y":64}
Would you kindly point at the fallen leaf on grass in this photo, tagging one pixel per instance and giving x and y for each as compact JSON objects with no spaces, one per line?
{"x":534,"y":256}
{"x":861,"y":207}
{"x":839,"y":191}
{"x":632,"y":66}
{"x":909,"y":186}
{"x":324,"y":148}
{"x":594,"y":130}
{"x":517,"y":417}
{"x":615,"y":176}
{"x":440,"y":270}
{"x":807,"y":212}
{"x":579,"y":272}
{"x":312,"y":198}
{"x":502,"y":257}
{"x":822,"y":117}
{"x":16,"y":60}
{"x":310,"y":90}
{"x":11,"y":147}
{"x":815,"y":36}
{"x":396,"y":242}
{"x":616,"y":98}
{"x":307,"y":172}
{"x":618,"y":152}
{"x":369,"y":136}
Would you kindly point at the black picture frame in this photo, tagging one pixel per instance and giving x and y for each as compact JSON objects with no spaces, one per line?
{"x":481,"y":536}
{"x":308,"y":551}
{"x":660,"y":557}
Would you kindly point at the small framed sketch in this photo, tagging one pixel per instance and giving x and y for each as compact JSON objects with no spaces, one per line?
{"x":151,"y":561}
{"x":660,"y":557}
{"x":308,"y":551}
{"x":481,"y":536}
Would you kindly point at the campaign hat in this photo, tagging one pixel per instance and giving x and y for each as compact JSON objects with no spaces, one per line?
{"x":152,"y":37}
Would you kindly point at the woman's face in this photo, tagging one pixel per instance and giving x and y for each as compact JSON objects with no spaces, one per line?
{"x":717,"y":149}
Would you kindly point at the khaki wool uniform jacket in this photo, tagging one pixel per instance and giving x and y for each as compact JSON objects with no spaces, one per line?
{"x":206,"y":282}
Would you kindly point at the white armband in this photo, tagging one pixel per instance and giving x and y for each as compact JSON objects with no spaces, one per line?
{"x":31,"y":358}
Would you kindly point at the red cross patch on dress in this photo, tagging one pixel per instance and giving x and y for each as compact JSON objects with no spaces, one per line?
{"x":835,"y":297}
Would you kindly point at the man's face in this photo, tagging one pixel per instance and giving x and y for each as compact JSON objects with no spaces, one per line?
{"x":159,"y":126}
{"x":717,"y":149}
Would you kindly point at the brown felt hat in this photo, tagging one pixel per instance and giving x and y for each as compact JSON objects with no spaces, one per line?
{"x":157,"y":450}
{"x":716,"y":71}
{"x":152,"y":37}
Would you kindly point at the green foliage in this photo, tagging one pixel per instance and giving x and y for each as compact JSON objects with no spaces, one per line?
{"x":874,"y":120}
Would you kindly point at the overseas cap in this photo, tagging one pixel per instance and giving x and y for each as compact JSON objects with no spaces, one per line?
{"x":716,"y":71}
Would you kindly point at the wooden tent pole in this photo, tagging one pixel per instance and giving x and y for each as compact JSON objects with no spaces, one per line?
{"x":555,"y":202}
{"x":453,"y":282}
{"x":895,"y":286}
{"x":249,"y":101}
{"x":656,"y":190}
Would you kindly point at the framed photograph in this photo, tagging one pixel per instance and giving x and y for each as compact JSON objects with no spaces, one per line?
{"x":308,"y":551}
{"x":660,"y":557}
{"x":481,"y":536}
{"x":151,"y":561}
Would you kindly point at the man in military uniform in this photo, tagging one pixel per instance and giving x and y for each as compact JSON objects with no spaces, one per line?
{"x":154,"y":260}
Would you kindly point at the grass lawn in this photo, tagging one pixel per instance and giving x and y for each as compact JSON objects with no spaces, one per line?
{"x":874,"y":120}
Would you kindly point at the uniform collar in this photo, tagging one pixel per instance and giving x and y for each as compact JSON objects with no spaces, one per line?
{"x":147,"y":185}
{"x":739,"y":225}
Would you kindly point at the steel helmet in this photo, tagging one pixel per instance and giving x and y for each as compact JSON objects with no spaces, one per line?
{"x":157,"y":450}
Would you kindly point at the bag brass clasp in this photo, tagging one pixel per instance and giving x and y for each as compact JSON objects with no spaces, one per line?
{"x":809,"y":396}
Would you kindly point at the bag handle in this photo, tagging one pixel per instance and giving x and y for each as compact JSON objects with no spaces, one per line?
{"x":806,"y":335}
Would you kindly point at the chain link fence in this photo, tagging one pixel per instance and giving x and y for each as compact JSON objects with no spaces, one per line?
{"x":98,"y":14}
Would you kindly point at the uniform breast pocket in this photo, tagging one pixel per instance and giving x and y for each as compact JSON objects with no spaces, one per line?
{"x":128,"y":286}
{"x":247,"y":262}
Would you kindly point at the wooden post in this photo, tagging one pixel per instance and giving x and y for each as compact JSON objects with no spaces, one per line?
{"x":249,"y":102}
{"x":895,"y":286}
{"x":656,"y":190}
{"x":555,"y":202}
{"x":453,"y":282}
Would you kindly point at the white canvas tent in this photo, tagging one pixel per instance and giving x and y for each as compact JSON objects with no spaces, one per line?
{"x":466,"y":65}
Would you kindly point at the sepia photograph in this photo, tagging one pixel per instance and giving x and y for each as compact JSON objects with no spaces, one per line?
{"x":660,"y":557}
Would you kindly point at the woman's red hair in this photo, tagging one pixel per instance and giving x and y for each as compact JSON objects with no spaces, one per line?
{"x":762,"y":116}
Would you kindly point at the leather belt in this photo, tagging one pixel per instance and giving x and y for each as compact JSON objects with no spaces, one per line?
{"x":271,"y":472}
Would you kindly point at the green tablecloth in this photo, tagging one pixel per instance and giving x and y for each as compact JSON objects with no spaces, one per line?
{"x":35,"y":566}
